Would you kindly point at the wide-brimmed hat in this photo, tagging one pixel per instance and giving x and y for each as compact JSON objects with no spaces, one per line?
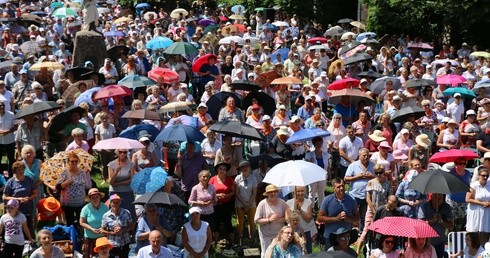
{"x":296,"y":118}
{"x":270,"y":188}
{"x":398,"y":154}
{"x":377,"y":136}
{"x":341,"y":231}
{"x":228,"y":166}
{"x":423,"y":140}
{"x":283,"y":130}
{"x":385,"y":144}
{"x":51,"y":204}
{"x":94,"y":191}
{"x":452,"y":121}
{"x":101,"y":241}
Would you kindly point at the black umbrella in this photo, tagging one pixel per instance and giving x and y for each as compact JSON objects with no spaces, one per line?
{"x":370,"y":74}
{"x":61,"y":120}
{"x":403,"y":114}
{"x":266,"y":101}
{"x":349,"y":46}
{"x":329,"y":254}
{"x":37,"y":107}
{"x":344,"y":20}
{"x":416,"y":83}
{"x":115,"y":52}
{"x":78,"y":71}
{"x":218,"y":100}
{"x":7,"y":64}
{"x":159,"y":198}
{"x":245,"y":85}
{"x":88,"y":76}
{"x":358,"y":57}
{"x":236,"y":128}
{"x":438,"y":181}
{"x":271,"y":158}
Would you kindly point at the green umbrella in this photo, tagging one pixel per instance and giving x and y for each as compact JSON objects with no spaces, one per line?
{"x":64,"y":12}
{"x":181,"y":48}
{"x":259,"y":9}
{"x":211,"y":28}
{"x":56,"y":5}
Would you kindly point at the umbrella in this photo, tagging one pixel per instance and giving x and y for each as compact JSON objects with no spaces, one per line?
{"x":287,"y":80}
{"x":238,"y":9}
{"x":77,"y":71}
{"x":404,"y":227}
{"x":268,"y":26}
{"x":452,"y":155}
{"x":115,"y":52}
{"x":420,"y":83}
{"x":115,"y":33}
{"x":148,"y":180}
{"x":329,"y":254}
{"x":143,"y":5}
{"x":318,"y":47}
{"x":51,"y":66}
{"x":118,"y":143}
{"x":481,"y":84}
{"x":135,"y":81}
{"x":481,"y":54}
{"x":37,"y":107}
{"x":316,"y":40}
{"x":345,"y":20}
{"x":265,"y":101}
{"x":7,"y":64}
{"x":64,"y":12}
{"x":359,"y":25}
{"x":370,"y":74}
{"x":404,"y":113}
{"x":237,"y":17}
{"x":358,"y":57}
{"x":55,"y":5}
{"x":30,"y":47}
{"x":452,"y":79}
{"x":122,"y":20}
{"x":281,"y":51}
{"x":438,"y":181}
{"x":465,"y":93}
{"x":366,"y":35}
{"x":348,"y":83}
{"x":181,"y":48}
{"x":159,"y":198}
{"x":356,"y":96}
{"x":206,"y":22}
{"x":31,"y":18}
{"x":265,"y":79}
{"x":181,"y":133}
{"x":369,"y":41}
{"x":137,"y":131}
{"x":304,"y":135}
{"x":227,"y":30}
{"x":271,"y":158}
{"x":349,"y":46}
{"x":379,"y":84}
{"x":113,"y":91}
{"x":347,"y":35}
{"x":237,"y":129}
{"x":280,"y":24}
{"x":211,"y":28}
{"x":175,"y":106}
{"x":245,"y":85}
{"x":211,"y":38}
{"x":196,"y":66}
{"x":144,"y":114}
{"x":52,"y":168}
{"x":159,"y":43}
{"x":177,"y":12}
{"x":334,"y":31}
{"x":103,"y":10}
{"x":419,"y":45}
{"x":218,"y":100}
{"x":240,"y":27}
{"x":229,"y":39}
{"x":295,"y":173}
{"x":61,"y":120}
{"x":164,"y":74}
{"x":86,"y":96}
{"x":444,"y":61}
{"x":150,"y":16}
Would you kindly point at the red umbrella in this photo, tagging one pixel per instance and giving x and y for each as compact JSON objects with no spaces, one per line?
{"x":112,"y":91}
{"x":164,"y":75}
{"x":196,"y":66}
{"x":157,"y":20}
{"x":453,"y":155}
{"x":314,"y":40}
{"x":265,"y":79}
{"x":348,"y":83}
{"x":452,"y":79}
{"x":223,"y":18}
{"x":404,"y":227}
{"x":240,"y":27}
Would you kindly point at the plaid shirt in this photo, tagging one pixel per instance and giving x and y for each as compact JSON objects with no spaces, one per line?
{"x":108,"y":222}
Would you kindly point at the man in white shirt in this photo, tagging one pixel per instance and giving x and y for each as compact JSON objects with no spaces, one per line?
{"x":455,"y":110}
{"x":155,"y":249}
{"x":349,"y":149}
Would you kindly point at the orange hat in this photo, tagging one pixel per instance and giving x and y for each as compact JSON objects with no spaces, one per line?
{"x":51,"y":204}
{"x":102,"y":241}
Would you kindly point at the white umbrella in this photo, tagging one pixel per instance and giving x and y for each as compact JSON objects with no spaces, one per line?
{"x":227,"y":40}
{"x":346,"y":35}
{"x":147,"y":15}
{"x":280,"y":24}
{"x":103,"y":10}
{"x":176,"y":13}
{"x":295,"y":173}
{"x":318,"y":47}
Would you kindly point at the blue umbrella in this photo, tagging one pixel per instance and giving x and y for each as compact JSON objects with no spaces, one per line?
{"x":282,"y":51}
{"x":148,"y":180}
{"x":240,"y":9}
{"x":269,"y":26}
{"x":481,"y":84}
{"x":369,"y":35}
{"x":159,"y":43}
{"x":180,"y":133}
{"x":142,"y":5}
{"x":306,"y":135}
{"x":136,"y":131}
{"x":86,"y":96}
{"x":115,"y":33}
{"x":135,"y":81}
{"x":206,"y":22}
{"x":465,"y":93}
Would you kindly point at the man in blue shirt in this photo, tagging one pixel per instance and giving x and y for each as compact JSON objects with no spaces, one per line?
{"x":347,"y":110}
{"x":155,"y":249}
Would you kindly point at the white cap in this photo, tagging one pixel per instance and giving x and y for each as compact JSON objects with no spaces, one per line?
{"x":439,"y":102}
{"x":266,"y":117}
{"x":194,"y":210}
{"x":363,"y":80}
{"x":251,"y":75}
{"x":457,"y":95}
{"x":445,"y":119}
{"x":144,"y":139}
{"x":404,"y":131}
{"x":323,"y":74}
{"x":470,"y":112}
{"x":202,"y":104}
{"x":396,"y":97}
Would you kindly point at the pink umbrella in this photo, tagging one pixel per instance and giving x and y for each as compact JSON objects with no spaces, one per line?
{"x":118,"y":143}
{"x":404,"y":227}
{"x":112,"y":91}
{"x":452,"y":79}
{"x":419,"y":45}
{"x":453,"y":155}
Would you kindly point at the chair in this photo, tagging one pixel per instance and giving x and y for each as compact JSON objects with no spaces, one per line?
{"x":456,"y":242}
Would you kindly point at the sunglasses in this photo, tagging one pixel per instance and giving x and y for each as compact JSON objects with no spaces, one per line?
{"x":123,"y":152}
{"x":379,"y":173}
{"x":486,"y":176}
{"x":390,"y":242}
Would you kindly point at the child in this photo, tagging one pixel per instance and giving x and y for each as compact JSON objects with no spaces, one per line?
{"x":14,"y":222}
{"x":297,"y":228}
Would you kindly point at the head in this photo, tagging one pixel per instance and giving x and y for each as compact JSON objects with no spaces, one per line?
{"x":28,"y":152}
{"x":386,"y":243}
{"x":44,"y":238}
{"x":418,"y":243}
{"x":350,"y":132}
{"x":338,"y":187}
{"x":204,"y":177}
{"x":122,"y":154}
{"x":482,"y":175}
{"x":102,"y":247}
{"x":299,"y":192}
{"x":472,"y":240}
{"x":416,"y":164}
{"x":77,"y":134}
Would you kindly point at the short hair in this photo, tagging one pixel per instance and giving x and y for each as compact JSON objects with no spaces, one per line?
{"x":136,"y":102}
{"x":77,"y":131}
{"x":203,"y":172}
{"x":379,"y":168}
{"x":27,"y":148}
{"x":316,"y":140}
{"x":337,"y":180}
{"x":363,"y":149}
{"x":17,"y":165}
{"x":43,"y":232}
{"x":293,"y":215}
{"x":349,"y":127}
{"x":72,"y":155}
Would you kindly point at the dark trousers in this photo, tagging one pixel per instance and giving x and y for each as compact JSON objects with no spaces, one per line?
{"x":440,"y":250}
{"x":13,"y":250}
{"x":223,"y":213}
{"x":362,"y":204}
{"x":72,"y":214}
{"x":121,"y":252}
{"x":9,"y":150}
{"x":342,"y":171}
{"x":88,"y":247}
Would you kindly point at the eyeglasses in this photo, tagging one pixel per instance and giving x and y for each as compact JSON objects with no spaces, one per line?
{"x":345,"y":238}
{"x":389,"y":242}
{"x":486,"y":176}
{"x":73,"y":161}
{"x":380,"y":173}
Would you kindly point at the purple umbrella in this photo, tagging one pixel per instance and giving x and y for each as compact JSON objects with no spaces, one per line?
{"x":206,"y":22}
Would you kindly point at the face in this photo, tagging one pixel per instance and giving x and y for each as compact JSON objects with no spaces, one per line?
{"x":350,"y":133}
{"x":483,"y":176}
{"x":287,"y":235}
{"x":420,"y":241}
{"x":416,"y":165}
{"x":230,"y":102}
{"x":204,"y":178}
{"x":388,"y":243}
{"x":300,"y":192}
{"x":221,"y":170}
{"x":343,"y":240}
{"x":103,"y":250}
{"x":45,"y":239}
{"x":364,"y":156}
{"x":155,"y":240}
{"x":339,"y":188}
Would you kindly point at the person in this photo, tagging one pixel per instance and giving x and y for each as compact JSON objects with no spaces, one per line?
{"x":478,"y":200}
{"x":386,"y":248}
{"x":144,"y":158}
{"x":420,"y":247}
{"x":410,"y":200}
{"x":230,"y":111}
{"x":320,"y":157}
{"x":457,"y":201}
{"x":78,"y":142}
{"x":48,"y":210}
{"x":472,"y":248}
{"x":103,"y":248}
{"x":230,"y":154}
{"x":103,"y":131}
{"x":121,"y":172}
{"x":439,"y":216}
{"x":349,"y":150}
{"x":420,"y":150}
{"x":304,"y":208}
{"x":203,"y":195}
{"x":188,"y":168}
{"x":285,"y":244}
{"x":341,"y":239}
{"x":91,"y":220}
{"x":15,"y":225}
{"x":271,"y":216}
{"x":155,"y":249}
{"x":449,"y":138}
{"x":7,"y":129}
{"x":149,"y":222}
{"x":117,"y":224}
{"x":196,"y":235}
{"x":245,"y":201}
{"x":210,"y":146}
{"x":337,"y":210}
{"x":46,"y":248}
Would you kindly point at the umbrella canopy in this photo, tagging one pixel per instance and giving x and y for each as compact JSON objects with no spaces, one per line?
{"x":271,"y":158}
{"x":245,"y":85}
{"x":143,"y":5}
{"x":280,"y":24}
{"x":181,"y":48}
{"x":229,"y":39}
{"x":63,"y":118}
{"x":237,"y":129}
{"x":358,"y":57}
{"x":268,"y":26}
{"x":452,"y":79}
{"x":144,"y":114}
{"x":77,"y":71}
{"x":348,"y":83}
{"x":334,"y":31}
{"x":150,"y":16}
{"x":444,"y":61}
{"x":304,"y":135}
{"x":404,"y":227}
{"x":113,"y":91}
{"x":159,"y":43}
{"x":118,"y":143}
{"x":115,"y":33}
{"x":103,"y":10}
{"x":348,"y":35}
{"x":317,"y":47}
{"x":370,"y":74}
{"x":420,"y":83}
{"x":317,"y":40}
{"x":196,"y":66}
{"x":359,"y":25}
{"x":345,"y":20}
{"x":218,"y":100}
{"x":178,"y":12}
{"x":237,"y":17}
{"x":122,"y":20}
{"x":283,"y":52}
{"x":419,"y":45}
{"x":164,"y":74}
{"x":206,"y":22}
{"x":115,"y":52}
{"x":404,"y":113}
{"x":37,"y":107}
{"x":159,"y":198}
{"x":135,"y":81}
{"x":452,"y":155}
{"x":52,"y":168}
{"x":366,"y":35}
{"x":86,"y":96}
{"x":181,"y":133}
{"x":239,"y":9}
{"x":265,"y":101}
{"x":379,"y":84}
{"x":148,"y":180}
{"x":465,"y":93}
{"x":480,"y":54}
{"x":295,"y":173}
{"x":30,"y":47}
{"x":349,"y":46}
{"x":137,"y":131}
{"x":438,"y":181}
{"x":51,"y":66}
{"x":287,"y":80}
{"x":265,"y":79}
{"x":481,"y":84}
{"x":356,"y":96}
{"x":175,"y":106}
{"x":64,"y":12}
{"x":369,"y":41}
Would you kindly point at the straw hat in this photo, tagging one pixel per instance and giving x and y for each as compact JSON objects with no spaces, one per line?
{"x":270,"y":188}
{"x":377,"y":136}
{"x":423,"y":140}
{"x":102,"y":241}
{"x":94,"y":191}
{"x":283,"y":130}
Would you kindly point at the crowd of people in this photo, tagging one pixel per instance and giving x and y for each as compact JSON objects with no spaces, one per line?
{"x":375,"y":145}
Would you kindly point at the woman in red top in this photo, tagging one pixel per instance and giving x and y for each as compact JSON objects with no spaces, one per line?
{"x":225,"y":192}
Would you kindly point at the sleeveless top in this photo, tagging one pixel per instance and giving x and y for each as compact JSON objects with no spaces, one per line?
{"x":197,"y":239}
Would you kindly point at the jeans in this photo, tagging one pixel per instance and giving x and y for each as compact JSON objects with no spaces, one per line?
{"x":362,"y":204}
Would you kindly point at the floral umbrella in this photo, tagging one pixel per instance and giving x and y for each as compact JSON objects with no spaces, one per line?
{"x":52,"y":168}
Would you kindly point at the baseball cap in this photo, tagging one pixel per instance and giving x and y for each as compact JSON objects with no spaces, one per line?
{"x":13,"y":203}
{"x":194,"y":210}
{"x":457,"y":95}
{"x":323,"y":74}
{"x":266,"y":117}
{"x":363,"y":80}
